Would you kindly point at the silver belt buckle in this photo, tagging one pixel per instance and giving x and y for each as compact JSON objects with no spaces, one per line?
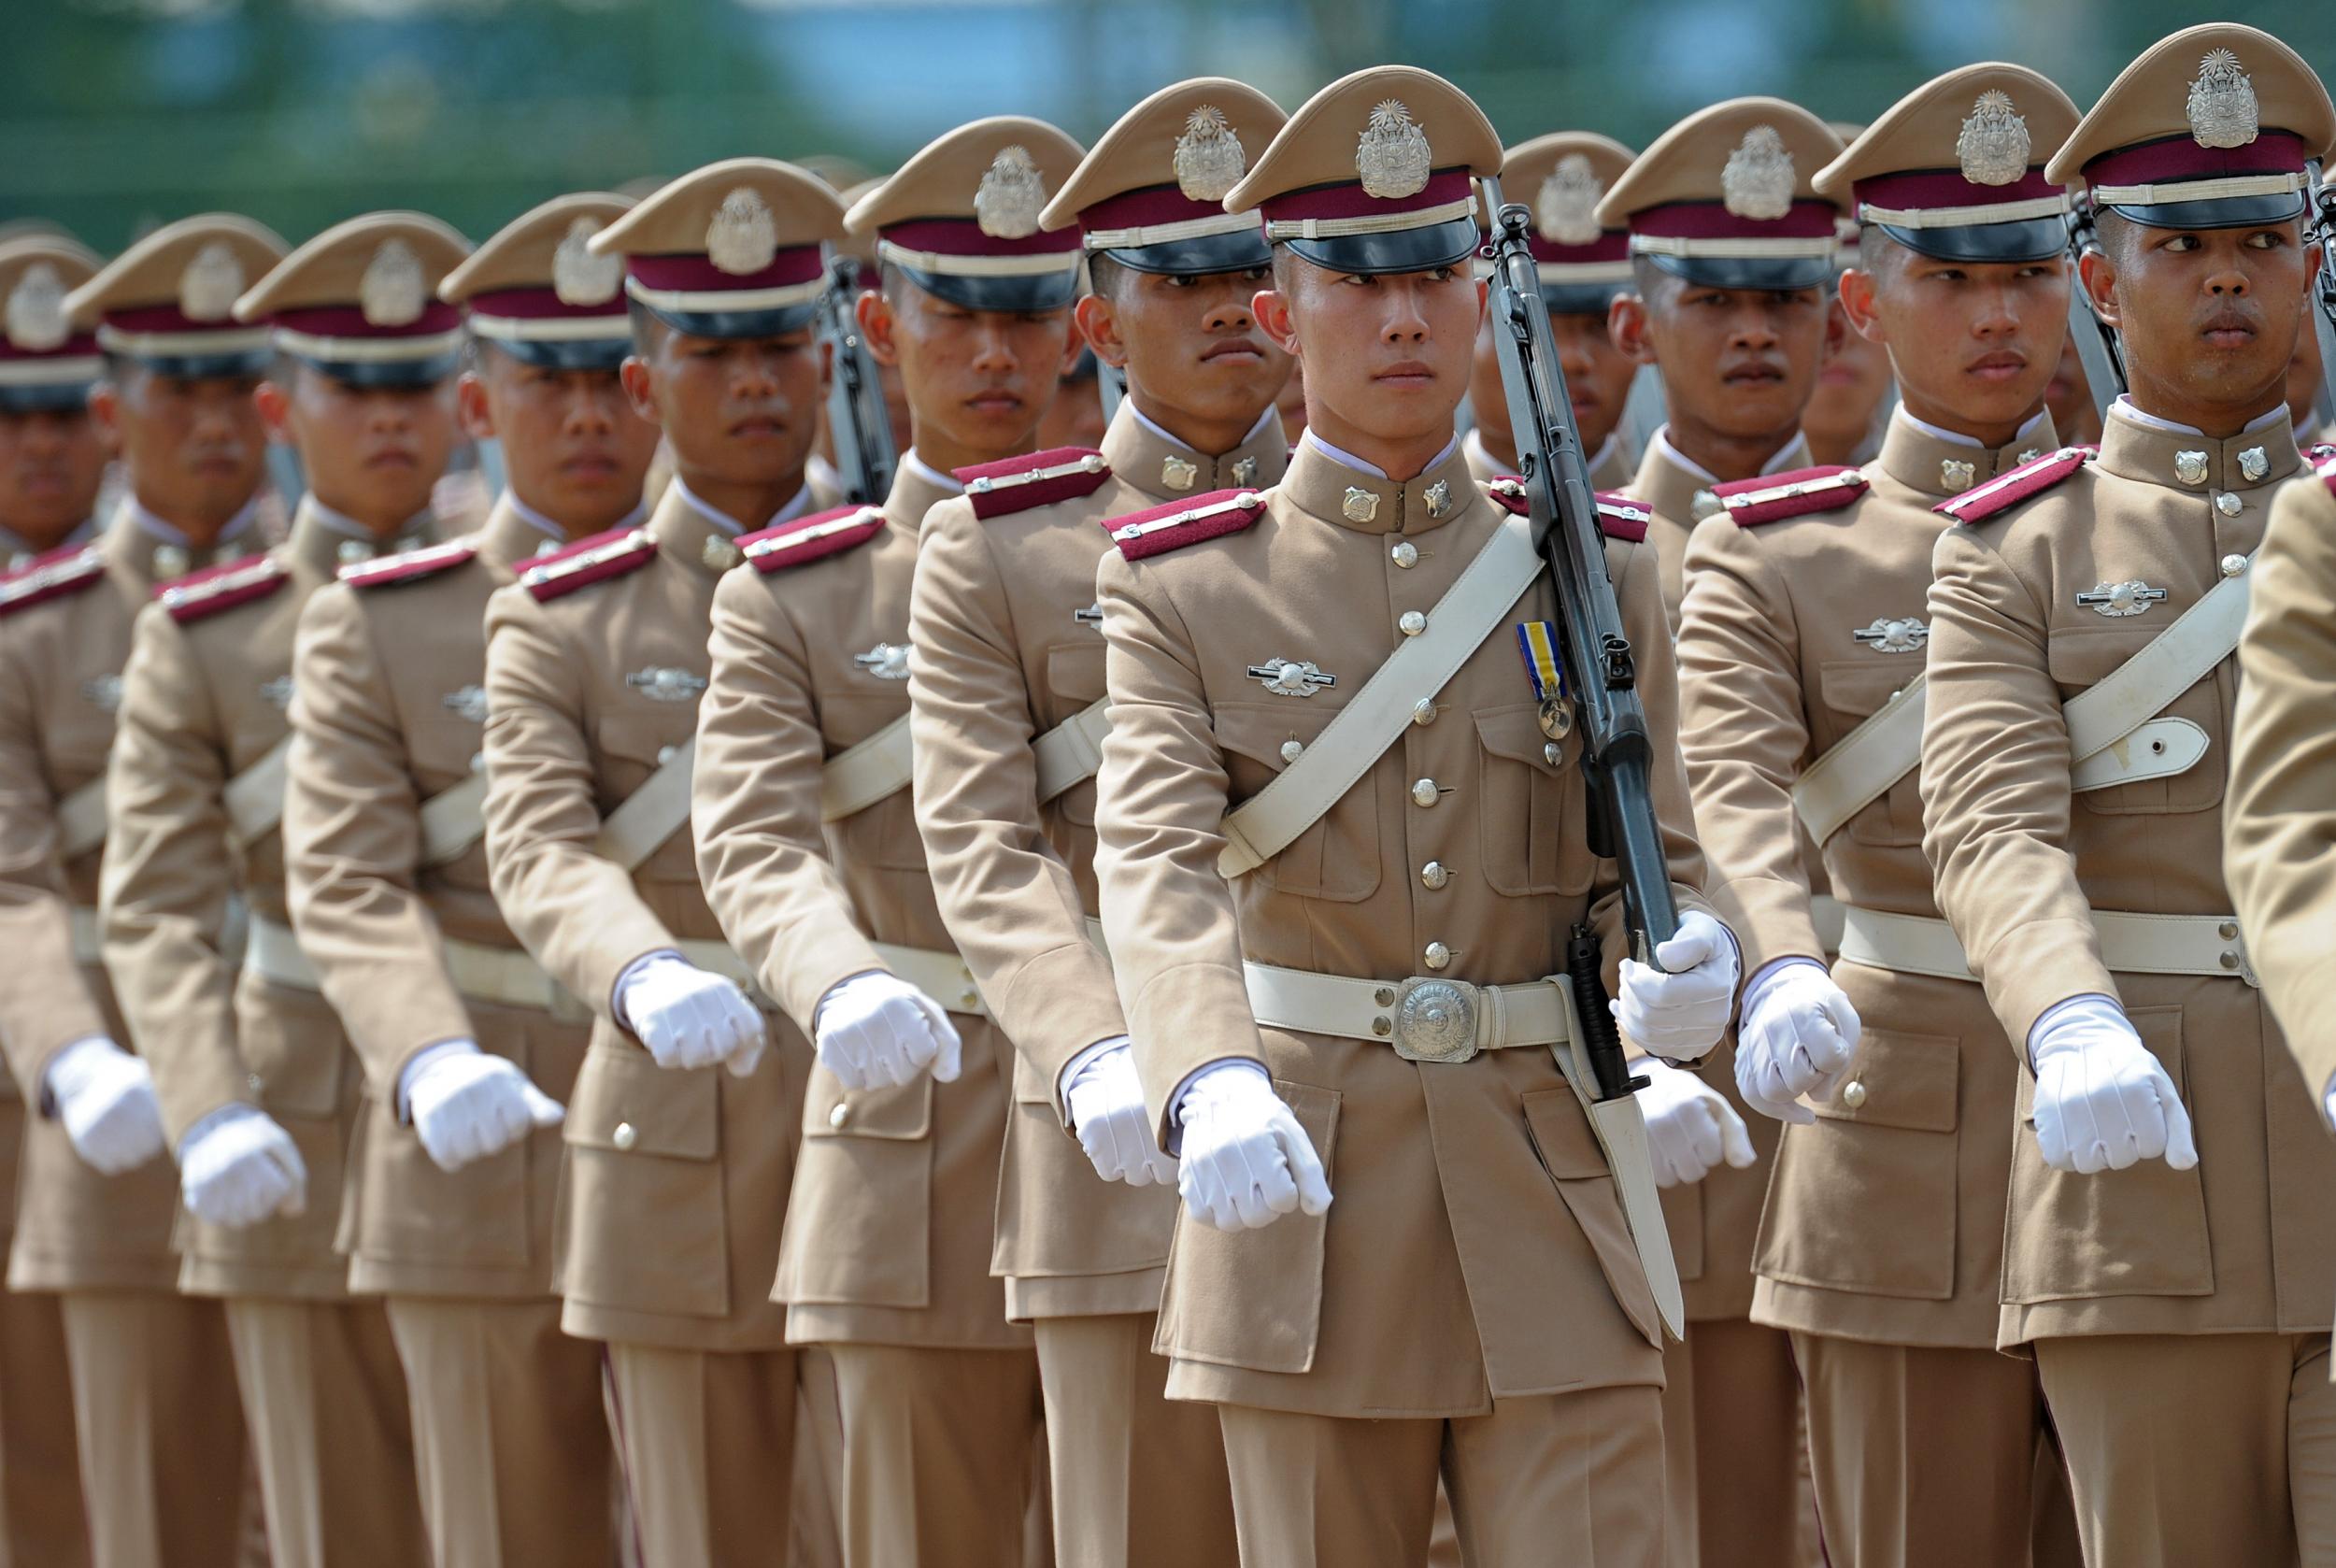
{"x":1435,"y":1021}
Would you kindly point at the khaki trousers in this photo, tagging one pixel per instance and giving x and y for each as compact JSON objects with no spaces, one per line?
{"x":1139,"y":1481}
{"x":818,"y":1488}
{"x":325,"y":1402}
{"x":1928,"y":1458}
{"x":163,"y":1456}
{"x":1731,"y":1447}
{"x":41,"y":1520}
{"x":510,"y":1450}
{"x":708,"y":1439}
{"x":1554,"y":1478}
{"x":2196,"y":1448}
{"x":937,"y":1455}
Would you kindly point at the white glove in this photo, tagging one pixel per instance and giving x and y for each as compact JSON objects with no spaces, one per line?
{"x":1680,"y":1010}
{"x":1106,"y":1101}
{"x":1246,"y":1160}
{"x":466,"y":1105}
{"x":104,"y":1100}
{"x":1690,"y":1127}
{"x":875,"y":1031}
{"x":2102,"y":1102}
{"x":1797,"y":1035}
{"x":689,"y":1017}
{"x":237,"y":1167}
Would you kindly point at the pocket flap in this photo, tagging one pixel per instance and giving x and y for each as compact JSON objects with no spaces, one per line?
{"x":2084,"y":655}
{"x":1900,"y":1080}
{"x":1514,"y":733}
{"x":626,"y":1103}
{"x":1859,"y":686}
{"x":1260,"y":732}
{"x":903,"y":1113}
{"x":1075,"y":671}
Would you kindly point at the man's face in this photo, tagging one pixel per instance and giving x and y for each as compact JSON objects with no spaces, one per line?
{"x":1386,"y":354}
{"x":2208,"y":317}
{"x":1190,"y":346}
{"x":51,"y":462}
{"x":196,"y":449}
{"x":980,"y":380}
{"x":1597,"y":378}
{"x":1975,"y":344}
{"x":742,"y":411}
{"x":372,"y":453}
{"x":573,"y":447}
{"x":1740,"y":362}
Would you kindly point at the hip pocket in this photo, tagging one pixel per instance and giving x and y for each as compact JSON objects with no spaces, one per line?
{"x":858,"y":1221}
{"x":647,"y":1200}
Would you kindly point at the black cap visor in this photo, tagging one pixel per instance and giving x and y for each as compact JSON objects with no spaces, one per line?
{"x":737,"y":325}
{"x":2225,"y":212}
{"x":387,"y":374}
{"x":575,"y":353}
{"x":45,"y":397}
{"x":1581,"y":299}
{"x":1446,"y":244}
{"x":1204,"y":256}
{"x":242,"y":365}
{"x":2030,"y":239}
{"x":1012,"y":293}
{"x":1765,"y":272}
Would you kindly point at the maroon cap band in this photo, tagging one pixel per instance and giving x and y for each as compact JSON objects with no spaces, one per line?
{"x":1347,"y":199}
{"x":696,"y":274}
{"x":1926,"y":189}
{"x":542,"y":305}
{"x":2181,"y":158}
{"x":166,"y":319}
{"x":1147,"y":209}
{"x":348,"y":322}
{"x":963,"y":236}
{"x":1612,"y":245}
{"x":79,"y":346}
{"x":1807,"y":219}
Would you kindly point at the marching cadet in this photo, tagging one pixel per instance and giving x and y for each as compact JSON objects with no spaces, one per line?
{"x":1561,"y":178}
{"x":260,"y":1093}
{"x":1732,"y":249}
{"x":465,"y":1058}
{"x":52,"y":462}
{"x":2073,"y":769}
{"x":1803,"y":626}
{"x":679,"y":1130}
{"x":97,"y":1206}
{"x":805,"y":727}
{"x":1342,"y":987}
{"x":1005,"y":683}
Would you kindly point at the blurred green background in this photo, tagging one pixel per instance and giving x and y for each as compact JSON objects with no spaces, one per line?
{"x":116,"y":115}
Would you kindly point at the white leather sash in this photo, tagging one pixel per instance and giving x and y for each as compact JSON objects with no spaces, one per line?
{"x":255,"y":797}
{"x":651,"y":814}
{"x":453,"y":820}
{"x":1072,"y":752}
{"x":2206,"y":945}
{"x":82,"y":820}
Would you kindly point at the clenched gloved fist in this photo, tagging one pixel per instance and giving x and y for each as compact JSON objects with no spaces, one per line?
{"x":1106,"y":1102}
{"x":466,"y":1105}
{"x":2102,"y":1102}
{"x":875,"y":1031}
{"x":1246,"y":1162}
{"x":237,"y":1167}
{"x":689,"y":1017}
{"x":104,"y":1100}
{"x":1691,"y":1129}
{"x":1797,"y":1035}
{"x":1680,"y":1010}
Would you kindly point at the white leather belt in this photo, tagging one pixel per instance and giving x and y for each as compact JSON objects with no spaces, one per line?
{"x":1425,"y":1018}
{"x":499,"y":977}
{"x":940,"y":976}
{"x":89,"y":940}
{"x":2208,"y":946}
{"x":1824,"y":913}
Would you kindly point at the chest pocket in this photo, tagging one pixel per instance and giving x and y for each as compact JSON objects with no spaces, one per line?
{"x":885,"y":834}
{"x":633,"y":746}
{"x":2081,"y":657}
{"x":1853,"y":691}
{"x":1075,"y":678}
{"x":1336,"y":858}
{"x":1534,"y":823}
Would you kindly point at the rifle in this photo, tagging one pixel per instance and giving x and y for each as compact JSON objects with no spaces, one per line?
{"x":1600,"y":671}
{"x":2322,"y":207}
{"x":2096,"y":340}
{"x":856,"y":416}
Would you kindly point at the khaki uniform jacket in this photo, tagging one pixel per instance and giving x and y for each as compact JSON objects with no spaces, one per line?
{"x":1610,"y":468}
{"x":2281,"y":829}
{"x":890,"y":1227}
{"x":60,"y":684}
{"x":1005,"y":646}
{"x":202,"y":701}
{"x":1884,"y":1220}
{"x":392,"y":712}
{"x":1476,"y":1248}
{"x":1714,"y":1223}
{"x":677,"y":1181}
{"x":2241,"y":1243}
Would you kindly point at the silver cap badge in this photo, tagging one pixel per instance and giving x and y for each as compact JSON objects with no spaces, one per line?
{"x":35,"y":315}
{"x":1565,"y":208}
{"x":1011,"y":195}
{"x":1291,"y":678}
{"x":2121,"y":598}
{"x":1392,"y":154}
{"x":742,"y":236}
{"x":208,"y":287}
{"x":468,"y":702}
{"x":392,"y":293}
{"x":886,"y":661}
{"x":1360,"y":504}
{"x":663,"y":683}
{"x":1993,"y":147}
{"x":1208,"y":159}
{"x":1889,"y":634}
{"x":578,"y":275}
{"x":1756,"y":182}
{"x":2222,"y":108}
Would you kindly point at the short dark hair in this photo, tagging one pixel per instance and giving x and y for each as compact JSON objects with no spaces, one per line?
{"x":2115,"y":233}
{"x":649,"y":330}
{"x":1875,"y":248}
{"x":1106,"y":277}
{"x":1652,"y":283}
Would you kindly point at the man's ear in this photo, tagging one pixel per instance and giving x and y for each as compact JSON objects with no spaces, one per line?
{"x":640,"y":387}
{"x":471,"y":407}
{"x":879,"y":326}
{"x":273,"y":401}
{"x":104,"y":411}
{"x":1099,"y":325}
{"x":1857,"y":305}
{"x":1270,"y":309}
{"x":2097,"y":275}
{"x":1628,"y":324}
